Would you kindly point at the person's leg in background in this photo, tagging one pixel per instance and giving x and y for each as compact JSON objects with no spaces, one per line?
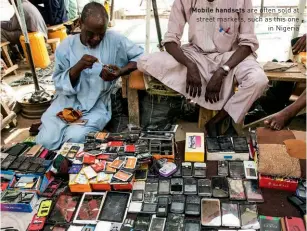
{"x":15,"y":50}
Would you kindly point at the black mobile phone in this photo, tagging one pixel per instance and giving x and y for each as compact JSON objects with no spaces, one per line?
{"x":176,"y":185}
{"x":186,"y":169}
{"x":225,"y":144}
{"x":191,"y":225}
{"x":150,"y":208}
{"x":142,"y":222}
{"x":164,"y":187}
{"x":222,"y":168}
{"x":140,"y":174}
{"x":16,"y":164}
{"x":8,"y":161}
{"x":178,"y":204}
{"x":137,"y":196}
{"x":240,"y":145}
{"x":192,"y":205}
{"x":190,"y":186}
{"x":72,"y":152}
{"x":178,"y":173}
{"x":26,"y":164}
{"x":162,"y":207}
{"x":236,"y":169}
{"x":200,"y":170}
{"x":219,"y":187}
{"x":17,"y":149}
{"x":204,"y":187}
{"x":174,"y":222}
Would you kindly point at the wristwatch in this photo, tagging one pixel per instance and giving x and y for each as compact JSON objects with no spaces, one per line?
{"x":226,"y":68}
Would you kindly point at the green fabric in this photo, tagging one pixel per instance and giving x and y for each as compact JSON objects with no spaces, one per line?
{"x":71,"y":8}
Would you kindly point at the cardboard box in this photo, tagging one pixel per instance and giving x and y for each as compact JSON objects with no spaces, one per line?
{"x":18,"y":207}
{"x":39,"y":187}
{"x":6,"y":177}
{"x":101,"y":185}
{"x":77,"y":187}
{"x":194,"y":147}
{"x":285,"y":184}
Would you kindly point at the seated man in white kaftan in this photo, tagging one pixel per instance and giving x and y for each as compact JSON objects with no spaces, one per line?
{"x":81,"y":80}
{"x":221,"y":49}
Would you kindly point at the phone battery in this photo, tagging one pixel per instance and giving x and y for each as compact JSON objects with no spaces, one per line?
{"x":236,"y":190}
{"x":230,"y":215}
{"x":236,"y":169}
{"x":252,"y":191}
{"x":249,"y":216}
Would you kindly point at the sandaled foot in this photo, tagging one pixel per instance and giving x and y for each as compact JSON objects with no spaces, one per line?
{"x":278,"y":121}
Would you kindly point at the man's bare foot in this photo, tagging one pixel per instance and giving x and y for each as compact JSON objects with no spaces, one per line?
{"x":279,"y":120}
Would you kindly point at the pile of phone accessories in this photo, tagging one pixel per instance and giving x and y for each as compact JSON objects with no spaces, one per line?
{"x":137,"y":181}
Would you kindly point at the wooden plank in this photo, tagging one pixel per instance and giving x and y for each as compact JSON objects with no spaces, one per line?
{"x":55,"y":27}
{"x":281,"y":76}
{"x":7,"y":58}
{"x":124,"y":86}
{"x":204,"y":116}
{"x":4,"y":44}
{"x":133,"y":106}
{"x":10,"y":69}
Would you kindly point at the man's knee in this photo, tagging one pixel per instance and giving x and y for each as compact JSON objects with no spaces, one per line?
{"x":258,"y":80}
{"x":77,"y":134}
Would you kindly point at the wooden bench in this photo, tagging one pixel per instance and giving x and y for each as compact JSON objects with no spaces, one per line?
{"x":7,"y":59}
{"x":136,"y":82}
{"x":53,"y":43}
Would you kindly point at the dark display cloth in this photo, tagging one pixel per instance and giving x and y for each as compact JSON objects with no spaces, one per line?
{"x":275,"y":201}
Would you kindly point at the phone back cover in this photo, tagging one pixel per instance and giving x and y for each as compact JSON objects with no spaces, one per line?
{"x":268,"y":223}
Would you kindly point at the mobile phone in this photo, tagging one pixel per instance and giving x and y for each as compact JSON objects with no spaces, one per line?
{"x":250,"y":170}
{"x":52,"y":187}
{"x":142,"y":222}
{"x":219,"y":187}
{"x":192,"y":205}
{"x":178,"y":173}
{"x":8,"y":161}
{"x":34,"y":150}
{"x":37,"y":223}
{"x":240,"y":145}
{"x":236,"y":189}
{"x":210,"y":212}
{"x":18,"y":162}
{"x":178,"y":204}
{"x":162,"y":207}
{"x":222,"y":169}
{"x":157,"y":223}
{"x":137,"y":196}
{"x":230,"y":215}
{"x":186,"y":169}
{"x":176,"y":186}
{"x":140,"y":174}
{"x":268,"y":223}
{"x":150,"y":208}
{"x":17,"y":149}
{"x":152,"y":185}
{"x":174,"y":222}
{"x":192,"y":225}
{"x":72,"y":152}
{"x":236,"y":169}
{"x":44,"y":208}
{"x":190,"y":186}
{"x":164,"y":187}
{"x":200,"y":170}
{"x":249,"y":216}
{"x":252,"y":191}
{"x":294,"y":223}
{"x":204,"y":187}
{"x":26,"y":164}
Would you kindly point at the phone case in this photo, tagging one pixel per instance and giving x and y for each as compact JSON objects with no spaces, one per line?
{"x":37,"y":223}
{"x":294,"y":224}
{"x":34,"y":150}
{"x":17,"y":163}
{"x":8,"y":161}
{"x":44,"y":208}
{"x":17,"y":149}
{"x":252,"y":191}
{"x":72,"y":152}
{"x":268,"y":223}
{"x":236,"y":169}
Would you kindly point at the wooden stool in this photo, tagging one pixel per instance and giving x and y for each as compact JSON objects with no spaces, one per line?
{"x":53,"y":43}
{"x":7,"y":59}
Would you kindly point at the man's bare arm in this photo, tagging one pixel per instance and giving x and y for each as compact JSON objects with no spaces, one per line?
{"x":240,"y":54}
